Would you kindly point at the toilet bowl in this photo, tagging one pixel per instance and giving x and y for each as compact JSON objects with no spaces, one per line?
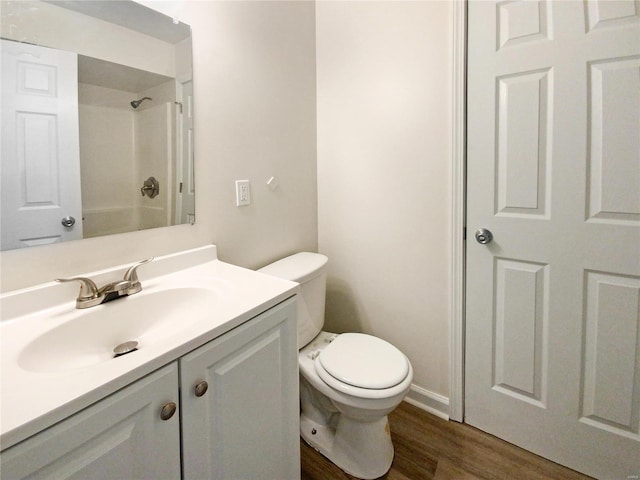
{"x":349,"y":382}
{"x":351,"y":429}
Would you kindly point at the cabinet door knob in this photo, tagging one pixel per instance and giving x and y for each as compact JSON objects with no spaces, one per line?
{"x":168,"y":410}
{"x":201,"y":388}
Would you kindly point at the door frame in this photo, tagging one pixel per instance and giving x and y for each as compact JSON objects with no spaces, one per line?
{"x":458,"y":207}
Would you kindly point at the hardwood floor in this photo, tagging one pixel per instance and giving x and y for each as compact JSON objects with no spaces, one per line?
{"x":427,"y":447}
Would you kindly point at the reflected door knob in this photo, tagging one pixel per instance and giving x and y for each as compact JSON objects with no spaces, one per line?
{"x":68,"y":222}
{"x":484,"y":236}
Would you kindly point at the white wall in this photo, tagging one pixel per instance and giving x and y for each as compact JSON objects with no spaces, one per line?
{"x":384,"y":154}
{"x":254,"y":82}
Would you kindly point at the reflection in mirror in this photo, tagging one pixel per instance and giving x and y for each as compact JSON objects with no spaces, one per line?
{"x":96,"y":100}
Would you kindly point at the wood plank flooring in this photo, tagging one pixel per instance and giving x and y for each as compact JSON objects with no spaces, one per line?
{"x":427,"y":447}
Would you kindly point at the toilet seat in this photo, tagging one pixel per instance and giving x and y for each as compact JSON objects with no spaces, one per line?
{"x":363,"y":365}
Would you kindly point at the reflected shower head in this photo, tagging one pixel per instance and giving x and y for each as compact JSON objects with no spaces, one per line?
{"x":136,"y":103}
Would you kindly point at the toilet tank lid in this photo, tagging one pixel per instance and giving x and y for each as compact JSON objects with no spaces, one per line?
{"x":299,"y":267}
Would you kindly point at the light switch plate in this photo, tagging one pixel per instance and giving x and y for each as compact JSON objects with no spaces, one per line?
{"x":243,"y":193}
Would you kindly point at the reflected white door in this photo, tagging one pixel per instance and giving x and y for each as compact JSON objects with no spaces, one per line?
{"x":40,"y":147}
{"x":553,"y":303}
{"x":186,"y":189}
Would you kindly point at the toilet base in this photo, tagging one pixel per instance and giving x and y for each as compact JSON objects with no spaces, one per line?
{"x":361,"y":449}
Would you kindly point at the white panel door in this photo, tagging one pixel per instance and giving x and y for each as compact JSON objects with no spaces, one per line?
{"x":40,"y":146}
{"x":553,"y":302}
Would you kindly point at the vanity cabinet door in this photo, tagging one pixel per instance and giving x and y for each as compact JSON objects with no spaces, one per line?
{"x":120,"y":437}
{"x":246,"y":425}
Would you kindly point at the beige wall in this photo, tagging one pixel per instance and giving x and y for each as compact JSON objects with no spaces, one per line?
{"x":260,"y":121}
{"x":384,"y":154}
{"x":254,"y":82}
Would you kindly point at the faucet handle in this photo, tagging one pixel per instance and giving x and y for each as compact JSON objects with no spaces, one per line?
{"x":131,"y":275}
{"x":88,"y":289}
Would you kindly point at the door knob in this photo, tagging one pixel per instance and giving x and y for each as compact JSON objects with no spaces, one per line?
{"x":68,"y":222}
{"x":484,"y":236}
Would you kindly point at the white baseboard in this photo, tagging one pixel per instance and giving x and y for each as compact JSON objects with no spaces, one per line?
{"x":433,"y":403}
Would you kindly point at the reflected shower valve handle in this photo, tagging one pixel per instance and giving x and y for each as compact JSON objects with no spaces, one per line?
{"x":150,"y":188}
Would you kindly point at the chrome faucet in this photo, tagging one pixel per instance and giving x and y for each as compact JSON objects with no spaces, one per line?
{"x":90,"y":295}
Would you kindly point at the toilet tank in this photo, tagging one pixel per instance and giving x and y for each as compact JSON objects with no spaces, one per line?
{"x":309,"y":270}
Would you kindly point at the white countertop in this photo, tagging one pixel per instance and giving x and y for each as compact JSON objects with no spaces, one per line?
{"x":32,"y":399}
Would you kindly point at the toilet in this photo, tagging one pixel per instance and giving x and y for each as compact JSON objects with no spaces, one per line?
{"x":349,"y":382}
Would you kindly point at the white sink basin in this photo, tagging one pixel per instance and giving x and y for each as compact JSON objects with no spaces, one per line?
{"x":89,"y":336}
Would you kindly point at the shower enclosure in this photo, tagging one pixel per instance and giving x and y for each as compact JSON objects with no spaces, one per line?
{"x":127,"y":142}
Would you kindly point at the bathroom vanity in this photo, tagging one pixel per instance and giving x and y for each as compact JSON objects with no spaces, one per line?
{"x":211,"y":392}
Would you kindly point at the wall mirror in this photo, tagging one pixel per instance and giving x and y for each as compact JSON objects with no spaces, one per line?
{"x":97,"y":110}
